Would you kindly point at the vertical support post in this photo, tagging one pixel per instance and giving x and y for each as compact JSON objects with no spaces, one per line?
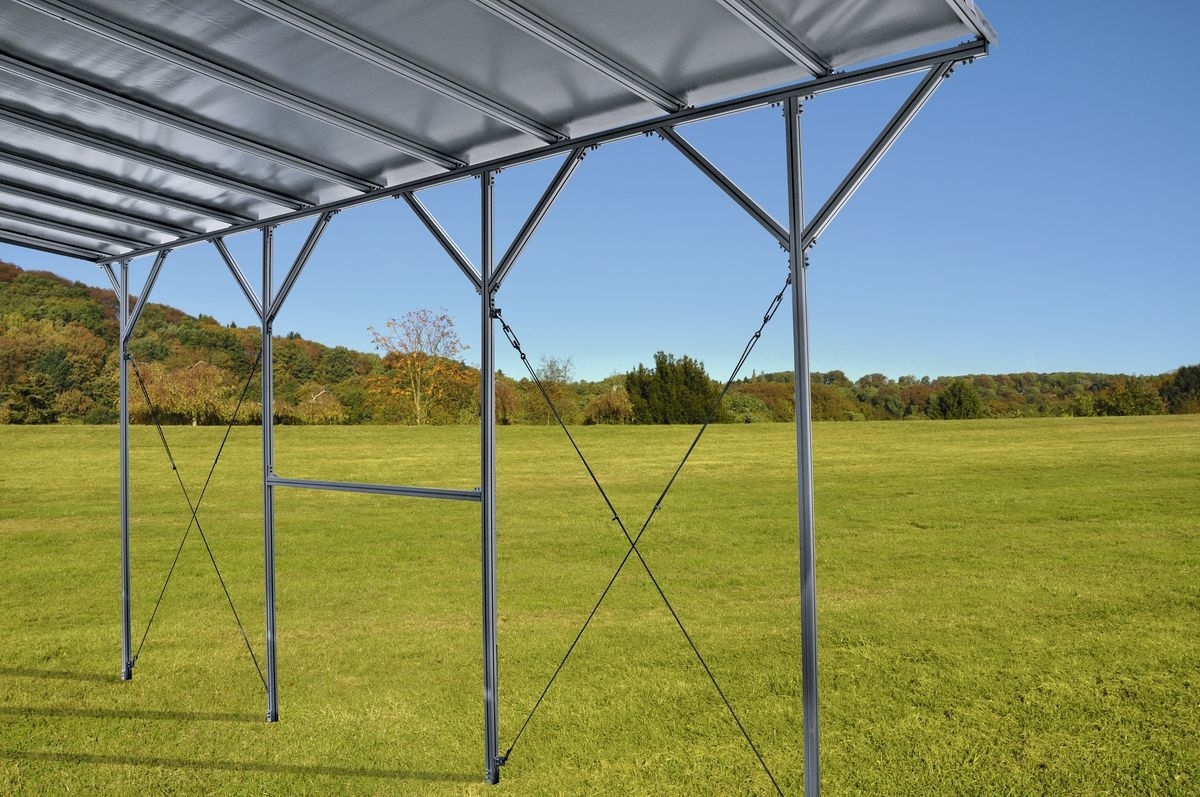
{"x":268,"y":451}
{"x":797,"y":262}
{"x":487,"y":488}
{"x":123,"y":311}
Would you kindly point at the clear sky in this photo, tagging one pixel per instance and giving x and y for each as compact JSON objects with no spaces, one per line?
{"x":1038,"y":215}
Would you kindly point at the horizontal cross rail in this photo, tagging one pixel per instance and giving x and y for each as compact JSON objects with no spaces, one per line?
{"x":375,"y":489}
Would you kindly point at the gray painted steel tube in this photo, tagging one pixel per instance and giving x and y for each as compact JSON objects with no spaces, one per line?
{"x":268,"y":452}
{"x":487,"y":423}
{"x":126,"y":635}
{"x":375,"y":489}
{"x":804,"y":474}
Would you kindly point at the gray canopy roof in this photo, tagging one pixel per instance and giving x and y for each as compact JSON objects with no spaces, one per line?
{"x":127,"y":125}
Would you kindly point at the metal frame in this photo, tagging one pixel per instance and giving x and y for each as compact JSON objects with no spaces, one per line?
{"x":968,"y":51}
{"x":796,"y":238}
{"x":44,"y":244}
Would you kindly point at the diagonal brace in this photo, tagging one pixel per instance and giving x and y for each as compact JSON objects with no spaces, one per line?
{"x":870,"y":159}
{"x":725,"y":184}
{"x":314,"y":235}
{"x":535,"y":218}
{"x":136,"y":313}
{"x":239,"y":276}
{"x":439,"y":232}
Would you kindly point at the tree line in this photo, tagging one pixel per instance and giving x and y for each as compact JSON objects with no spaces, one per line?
{"x":59,"y":361}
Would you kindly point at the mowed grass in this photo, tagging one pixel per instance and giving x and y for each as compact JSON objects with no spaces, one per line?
{"x":1005,"y":607}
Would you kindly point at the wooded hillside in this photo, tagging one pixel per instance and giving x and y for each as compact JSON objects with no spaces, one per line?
{"x":58,"y":364}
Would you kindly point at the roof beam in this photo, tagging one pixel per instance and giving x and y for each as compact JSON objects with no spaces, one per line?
{"x":89,"y":208}
{"x":173,"y":54}
{"x":965,"y":52}
{"x":35,"y":164}
{"x":117,"y":149}
{"x":46,"y":245}
{"x":749,"y":12}
{"x":226,"y":138}
{"x":564,"y":42}
{"x":45,"y":222}
{"x":398,"y":65}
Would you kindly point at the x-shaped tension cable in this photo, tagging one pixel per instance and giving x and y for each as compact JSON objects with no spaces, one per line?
{"x":195,"y":508}
{"x":633,"y":541}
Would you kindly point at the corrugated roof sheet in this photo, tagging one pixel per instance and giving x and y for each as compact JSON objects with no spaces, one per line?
{"x":126,"y":125}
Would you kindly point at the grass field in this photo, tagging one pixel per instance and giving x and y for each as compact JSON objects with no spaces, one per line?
{"x":1006,"y":607}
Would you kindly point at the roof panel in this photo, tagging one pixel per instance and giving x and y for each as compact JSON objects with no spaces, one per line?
{"x":193,"y":114}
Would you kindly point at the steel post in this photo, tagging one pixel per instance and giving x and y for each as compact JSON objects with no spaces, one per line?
{"x":487,"y":450}
{"x":802,"y":369}
{"x":126,"y":636}
{"x":268,"y":452}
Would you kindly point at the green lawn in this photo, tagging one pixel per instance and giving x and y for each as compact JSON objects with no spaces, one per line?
{"x":1006,"y":607}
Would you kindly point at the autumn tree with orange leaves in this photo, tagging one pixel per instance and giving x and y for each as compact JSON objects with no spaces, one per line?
{"x":421,"y":370}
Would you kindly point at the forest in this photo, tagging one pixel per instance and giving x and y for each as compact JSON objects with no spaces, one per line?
{"x":59,"y":364}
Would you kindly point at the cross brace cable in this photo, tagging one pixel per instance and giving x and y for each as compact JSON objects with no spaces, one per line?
{"x":776,"y":302}
{"x":195,"y":508}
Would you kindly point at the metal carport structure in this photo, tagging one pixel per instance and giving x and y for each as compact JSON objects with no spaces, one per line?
{"x":129,"y":129}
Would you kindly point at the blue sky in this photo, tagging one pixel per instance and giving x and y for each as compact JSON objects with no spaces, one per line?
{"x":1038,"y":215}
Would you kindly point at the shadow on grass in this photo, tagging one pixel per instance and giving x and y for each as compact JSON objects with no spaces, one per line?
{"x":129,"y":714}
{"x":234,"y":766}
{"x":61,"y":675}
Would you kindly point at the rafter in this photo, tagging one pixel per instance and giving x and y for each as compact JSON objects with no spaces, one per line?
{"x":549,"y":33}
{"x":128,"y":152}
{"x":77,"y":175}
{"x":778,"y":35}
{"x":46,"y":245}
{"x":177,"y":121}
{"x":90,"y":208}
{"x":45,"y":222}
{"x":355,"y":44}
{"x":181,"y":57}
